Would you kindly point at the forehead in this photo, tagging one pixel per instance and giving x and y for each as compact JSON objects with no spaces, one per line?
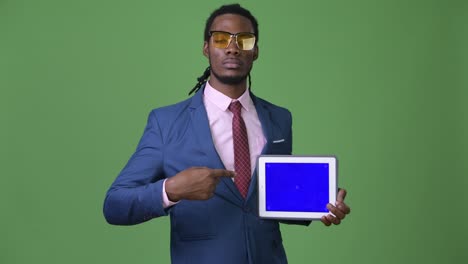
{"x":232,"y":23}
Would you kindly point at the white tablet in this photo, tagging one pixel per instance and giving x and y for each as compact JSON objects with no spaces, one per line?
{"x":296,"y":187}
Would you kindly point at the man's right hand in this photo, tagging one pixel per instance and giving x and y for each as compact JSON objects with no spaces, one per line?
{"x":196,"y":183}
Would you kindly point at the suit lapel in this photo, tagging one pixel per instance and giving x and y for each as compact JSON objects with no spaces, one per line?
{"x":201,"y":129}
{"x":267,"y":126}
{"x":202,"y":132}
{"x":265,"y":119}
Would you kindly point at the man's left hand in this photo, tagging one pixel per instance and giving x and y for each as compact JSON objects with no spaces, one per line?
{"x":339,"y":210}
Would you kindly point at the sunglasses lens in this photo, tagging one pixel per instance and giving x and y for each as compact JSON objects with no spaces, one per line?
{"x":221,"y":39}
{"x":246,"y":41}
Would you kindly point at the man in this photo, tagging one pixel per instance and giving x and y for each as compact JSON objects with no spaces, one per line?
{"x":184,"y":164}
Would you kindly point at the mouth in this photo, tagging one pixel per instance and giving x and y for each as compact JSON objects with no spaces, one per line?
{"x":232,"y":63}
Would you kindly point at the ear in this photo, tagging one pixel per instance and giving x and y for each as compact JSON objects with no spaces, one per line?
{"x":205,"y":49}
{"x":255,"y":53}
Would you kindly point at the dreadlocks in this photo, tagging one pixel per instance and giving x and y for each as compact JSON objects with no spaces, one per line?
{"x":201,"y":80}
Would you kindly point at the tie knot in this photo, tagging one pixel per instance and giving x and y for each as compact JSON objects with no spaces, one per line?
{"x":235,"y":107}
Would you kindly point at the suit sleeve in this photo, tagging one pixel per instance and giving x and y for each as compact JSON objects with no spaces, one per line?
{"x":135,"y":195}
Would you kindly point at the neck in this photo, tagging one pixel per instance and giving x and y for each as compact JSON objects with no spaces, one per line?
{"x":234,"y":91}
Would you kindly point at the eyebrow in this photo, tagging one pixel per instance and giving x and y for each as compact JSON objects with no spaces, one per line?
{"x":231,"y":33}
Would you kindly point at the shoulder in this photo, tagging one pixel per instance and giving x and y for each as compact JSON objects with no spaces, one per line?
{"x":171,"y":112}
{"x":274,"y":109}
{"x":176,"y":117}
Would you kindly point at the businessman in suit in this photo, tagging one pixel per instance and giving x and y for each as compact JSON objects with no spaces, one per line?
{"x":196,"y":159}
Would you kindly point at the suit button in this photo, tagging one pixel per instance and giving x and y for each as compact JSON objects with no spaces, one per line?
{"x":246,"y":209}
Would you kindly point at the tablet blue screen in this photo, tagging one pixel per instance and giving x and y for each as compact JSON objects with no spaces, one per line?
{"x":296,"y":187}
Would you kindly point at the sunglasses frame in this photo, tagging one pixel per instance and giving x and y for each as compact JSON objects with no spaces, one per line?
{"x":235,"y":35}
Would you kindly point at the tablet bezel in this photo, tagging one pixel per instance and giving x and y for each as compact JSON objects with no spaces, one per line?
{"x":332,"y":184}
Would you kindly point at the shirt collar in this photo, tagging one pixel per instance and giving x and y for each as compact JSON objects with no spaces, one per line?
{"x":223,"y":101}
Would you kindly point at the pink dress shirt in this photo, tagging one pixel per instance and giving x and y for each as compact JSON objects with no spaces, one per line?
{"x":220,"y":120}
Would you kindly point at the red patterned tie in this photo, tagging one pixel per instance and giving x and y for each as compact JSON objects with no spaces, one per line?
{"x":241,"y":149}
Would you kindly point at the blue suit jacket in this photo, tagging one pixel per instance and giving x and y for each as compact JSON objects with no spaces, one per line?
{"x":224,"y":229}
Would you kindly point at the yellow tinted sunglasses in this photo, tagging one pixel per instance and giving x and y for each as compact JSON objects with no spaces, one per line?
{"x":222,"y":39}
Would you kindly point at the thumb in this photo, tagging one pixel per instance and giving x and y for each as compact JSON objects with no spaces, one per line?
{"x":341,"y":195}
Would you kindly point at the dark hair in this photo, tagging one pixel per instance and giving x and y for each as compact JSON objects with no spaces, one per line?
{"x":235,"y":9}
{"x":225,"y":9}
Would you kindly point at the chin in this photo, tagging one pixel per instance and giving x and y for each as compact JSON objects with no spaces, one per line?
{"x":230,"y":79}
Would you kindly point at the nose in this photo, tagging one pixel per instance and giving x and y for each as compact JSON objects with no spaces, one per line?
{"x":232,"y":48}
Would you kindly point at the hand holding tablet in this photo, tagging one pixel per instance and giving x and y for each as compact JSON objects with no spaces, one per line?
{"x":297,"y":187}
{"x":339,"y":210}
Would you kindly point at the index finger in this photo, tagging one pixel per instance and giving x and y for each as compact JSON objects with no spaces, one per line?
{"x":341,"y":195}
{"x":222,"y":173}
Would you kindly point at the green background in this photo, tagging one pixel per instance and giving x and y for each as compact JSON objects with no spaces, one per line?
{"x":381,"y":84}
